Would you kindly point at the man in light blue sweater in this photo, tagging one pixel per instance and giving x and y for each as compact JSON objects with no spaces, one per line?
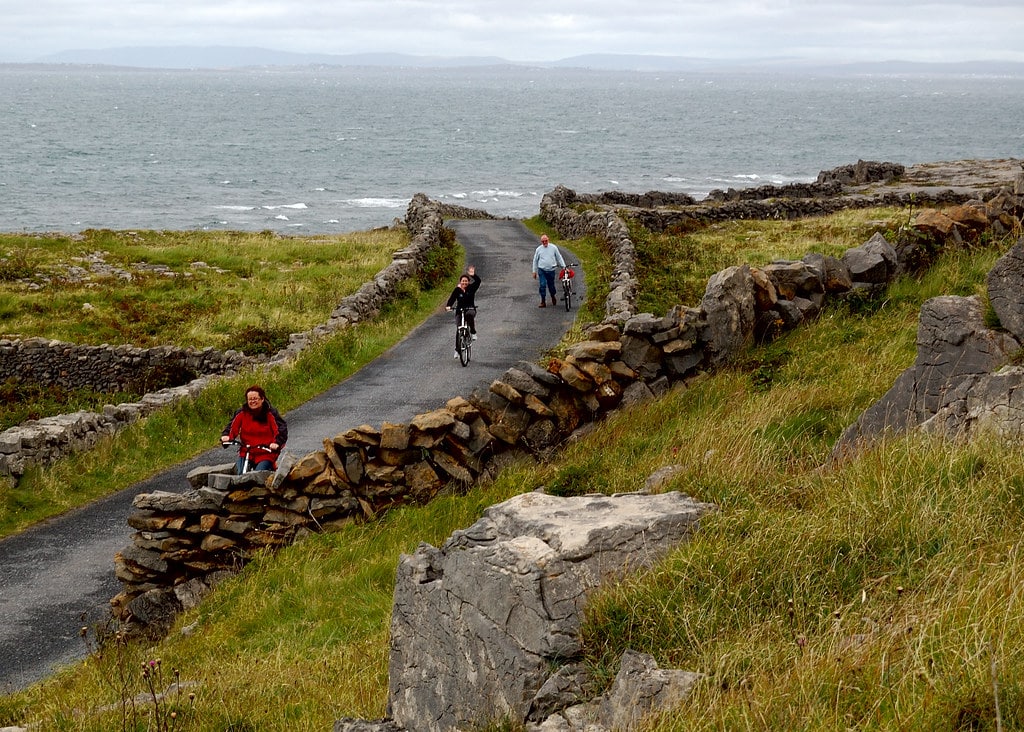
{"x":545,"y":260}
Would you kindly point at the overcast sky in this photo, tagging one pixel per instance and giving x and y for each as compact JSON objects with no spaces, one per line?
{"x":530,"y":30}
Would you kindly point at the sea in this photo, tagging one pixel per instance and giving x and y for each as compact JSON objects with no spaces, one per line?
{"x":340,"y":149}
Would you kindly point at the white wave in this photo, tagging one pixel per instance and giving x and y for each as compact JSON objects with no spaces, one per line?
{"x":748,"y":176}
{"x":286,"y":205}
{"x":236,"y":208}
{"x":281,"y":217}
{"x":673,"y":179}
{"x":377,"y":202}
{"x":494,"y":193}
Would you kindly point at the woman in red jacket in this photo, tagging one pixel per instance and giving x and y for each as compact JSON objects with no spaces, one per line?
{"x":258,"y":430}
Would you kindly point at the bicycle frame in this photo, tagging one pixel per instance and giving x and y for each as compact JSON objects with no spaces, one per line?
{"x":247,"y":459}
{"x":567,"y":288}
{"x":463,"y":338}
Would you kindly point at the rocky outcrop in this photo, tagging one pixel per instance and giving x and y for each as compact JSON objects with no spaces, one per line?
{"x":486,"y":627}
{"x":960,"y":382}
{"x":861,"y":173}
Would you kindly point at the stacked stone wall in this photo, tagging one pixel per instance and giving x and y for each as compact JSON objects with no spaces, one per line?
{"x":110,"y":368}
{"x":185,"y":542}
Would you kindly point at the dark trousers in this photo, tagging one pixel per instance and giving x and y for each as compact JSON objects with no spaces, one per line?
{"x":470,"y":321}
{"x":546,"y":278}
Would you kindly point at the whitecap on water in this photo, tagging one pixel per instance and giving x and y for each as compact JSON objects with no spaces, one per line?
{"x":377,"y":202}
{"x":286,"y":205}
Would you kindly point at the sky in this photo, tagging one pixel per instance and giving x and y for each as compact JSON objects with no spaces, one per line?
{"x":531,"y":30}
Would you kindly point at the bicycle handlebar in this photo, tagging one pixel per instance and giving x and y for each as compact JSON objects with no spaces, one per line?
{"x":238,"y":443}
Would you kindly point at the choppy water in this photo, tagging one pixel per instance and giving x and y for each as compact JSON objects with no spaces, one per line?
{"x":345,"y":149}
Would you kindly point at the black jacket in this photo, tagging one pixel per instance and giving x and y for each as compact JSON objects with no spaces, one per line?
{"x":465,"y":298}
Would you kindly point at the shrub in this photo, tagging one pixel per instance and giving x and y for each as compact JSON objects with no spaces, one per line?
{"x":441,"y":262}
{"x":260,"y":340}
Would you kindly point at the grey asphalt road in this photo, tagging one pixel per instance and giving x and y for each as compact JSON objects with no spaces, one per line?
{"x":58,"y":577}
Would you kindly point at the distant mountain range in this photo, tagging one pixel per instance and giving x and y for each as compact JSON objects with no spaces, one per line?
{"x":232,"y":57}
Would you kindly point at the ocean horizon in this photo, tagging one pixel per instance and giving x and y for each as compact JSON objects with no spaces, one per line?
{"x":331,"y":150}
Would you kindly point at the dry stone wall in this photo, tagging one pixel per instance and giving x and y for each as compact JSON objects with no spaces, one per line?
{"x":183,"y":373}
{"x":183,"y":540}
{"x":110,"y":368}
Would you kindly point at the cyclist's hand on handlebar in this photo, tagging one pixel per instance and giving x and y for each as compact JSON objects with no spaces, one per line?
{"x":447,"y":308}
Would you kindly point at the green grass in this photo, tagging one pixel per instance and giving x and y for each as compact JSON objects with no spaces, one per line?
{"x":227,"y":290}
{"x":217,"y":284}
{"x":881,"y":593}
{"x":674,"y":268}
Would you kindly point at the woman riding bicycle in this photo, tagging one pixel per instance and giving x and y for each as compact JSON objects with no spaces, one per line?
{"x":463,"y":298}
{"x":260,"y":429}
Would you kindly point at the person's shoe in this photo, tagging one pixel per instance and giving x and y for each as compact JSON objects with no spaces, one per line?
{"x":542,"y":304}
{"x":456,"y":354}
{"x":553,"y":300}
{"x":474,"y":336}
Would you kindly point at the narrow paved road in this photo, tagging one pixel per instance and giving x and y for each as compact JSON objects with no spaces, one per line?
{"x":58,"y":576}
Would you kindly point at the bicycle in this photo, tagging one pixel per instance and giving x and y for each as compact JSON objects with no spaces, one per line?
{"x":463,"y":338}
{"x":247,"y":461}
{"x":565,"y":277}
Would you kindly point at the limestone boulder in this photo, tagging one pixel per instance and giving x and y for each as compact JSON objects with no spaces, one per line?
{"x":479,"y":624}
{"x":954,"y":349}
{"x":728,"y":305}
{"x":1005,"y":283}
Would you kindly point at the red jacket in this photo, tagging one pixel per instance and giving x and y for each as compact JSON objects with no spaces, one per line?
{"x":252,"y":432}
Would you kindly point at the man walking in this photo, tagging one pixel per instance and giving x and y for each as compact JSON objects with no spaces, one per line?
{"x":545,"y":260}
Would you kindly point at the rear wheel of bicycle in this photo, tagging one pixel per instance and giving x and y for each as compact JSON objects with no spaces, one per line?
{"x":465,"y":341}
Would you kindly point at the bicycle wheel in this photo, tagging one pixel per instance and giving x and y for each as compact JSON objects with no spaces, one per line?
{"x":567,"y":294}
{"x":465,"y":341}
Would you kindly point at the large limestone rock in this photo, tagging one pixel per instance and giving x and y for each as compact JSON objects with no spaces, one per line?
{"x":479,"y":624}
{"x":728,"y":304}
{"x":1004,"y":283}
{"x":955,"y":351}
{"x":874,"y":262}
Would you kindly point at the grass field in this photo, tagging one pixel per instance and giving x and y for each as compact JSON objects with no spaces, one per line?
{"x":877,"y":594}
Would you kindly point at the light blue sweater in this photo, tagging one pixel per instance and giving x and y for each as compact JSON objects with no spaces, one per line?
{"x":547,"y":257}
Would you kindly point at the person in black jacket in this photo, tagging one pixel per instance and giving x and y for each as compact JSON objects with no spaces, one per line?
{"x":463,"y":297}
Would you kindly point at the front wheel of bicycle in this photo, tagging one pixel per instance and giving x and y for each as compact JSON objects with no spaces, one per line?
{"x":567,"y":295}
{"x":465,"y":345}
